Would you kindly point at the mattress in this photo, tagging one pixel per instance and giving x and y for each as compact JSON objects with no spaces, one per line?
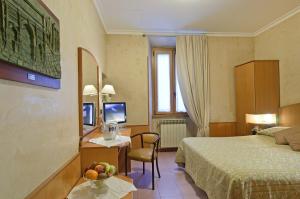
{"x":241,"y":167}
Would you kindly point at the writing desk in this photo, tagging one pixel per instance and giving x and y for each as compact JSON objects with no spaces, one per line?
{"x":91,"y":152}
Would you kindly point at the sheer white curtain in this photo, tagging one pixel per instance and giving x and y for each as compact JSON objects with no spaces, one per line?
{"x":193,"y":78}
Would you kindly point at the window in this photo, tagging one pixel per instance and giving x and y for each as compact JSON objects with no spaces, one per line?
{"x":167,"y":99}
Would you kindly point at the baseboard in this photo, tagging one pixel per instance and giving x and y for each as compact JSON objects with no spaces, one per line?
{"x":171,"y":149}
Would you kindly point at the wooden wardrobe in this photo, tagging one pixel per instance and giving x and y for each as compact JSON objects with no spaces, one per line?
{"x":257,"y":91}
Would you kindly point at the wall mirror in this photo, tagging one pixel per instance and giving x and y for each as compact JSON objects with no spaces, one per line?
{"x":89,"y":83}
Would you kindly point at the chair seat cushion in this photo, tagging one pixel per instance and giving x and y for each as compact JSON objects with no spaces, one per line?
{"x":142,"y":154}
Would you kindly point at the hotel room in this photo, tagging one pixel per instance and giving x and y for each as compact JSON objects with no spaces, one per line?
{"x":161,"y":99}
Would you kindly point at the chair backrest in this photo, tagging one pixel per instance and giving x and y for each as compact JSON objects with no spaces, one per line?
{"x":149,"y":139}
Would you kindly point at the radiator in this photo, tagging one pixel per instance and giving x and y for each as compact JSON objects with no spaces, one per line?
{"x":172,"y":131}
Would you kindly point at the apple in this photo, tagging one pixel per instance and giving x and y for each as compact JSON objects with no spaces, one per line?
{"x":99,"y":168}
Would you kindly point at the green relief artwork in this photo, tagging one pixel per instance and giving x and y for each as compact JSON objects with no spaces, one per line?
{"x":29,"y":37}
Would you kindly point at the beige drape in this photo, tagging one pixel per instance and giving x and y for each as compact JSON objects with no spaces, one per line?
{"x":193,"y":78}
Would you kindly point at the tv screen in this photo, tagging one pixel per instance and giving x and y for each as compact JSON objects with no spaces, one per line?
{"x":114,"y":112}
{"x":89,"y":116}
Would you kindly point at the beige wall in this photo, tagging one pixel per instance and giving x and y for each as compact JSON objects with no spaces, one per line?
{"x":127,"y":71}
{"x":282,"y":43}
{"x":39,"y":126}
{"x":224,"y":54}
{"x":127,"y":57}
{"x":150,"y":87}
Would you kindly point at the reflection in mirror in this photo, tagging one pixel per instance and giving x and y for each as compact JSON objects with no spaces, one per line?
{"x":89,"y":82}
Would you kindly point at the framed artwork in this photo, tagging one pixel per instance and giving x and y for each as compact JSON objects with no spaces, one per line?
{"x":29,"y":43}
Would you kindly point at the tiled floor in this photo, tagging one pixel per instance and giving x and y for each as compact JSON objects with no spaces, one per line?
{"x":173,"y":184}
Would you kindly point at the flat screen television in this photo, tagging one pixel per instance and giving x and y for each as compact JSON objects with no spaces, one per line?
{"x":114,"y":112}
{"x":89,"y":114}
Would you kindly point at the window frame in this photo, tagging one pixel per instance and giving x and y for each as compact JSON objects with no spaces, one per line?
{"x":156,"y":113}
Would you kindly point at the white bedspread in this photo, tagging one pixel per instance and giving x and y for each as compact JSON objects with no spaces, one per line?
{"x":242,"y":167}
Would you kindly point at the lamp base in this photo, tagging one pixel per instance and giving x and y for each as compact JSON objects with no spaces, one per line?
{"x":106,"y":98}
{"x":258,"y":128}
{"x":255,"y":130}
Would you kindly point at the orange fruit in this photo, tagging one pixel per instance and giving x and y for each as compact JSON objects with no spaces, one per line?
{"x":91,"y":174}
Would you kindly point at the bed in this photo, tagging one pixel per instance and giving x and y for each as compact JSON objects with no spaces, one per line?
{"x":245,"y":166}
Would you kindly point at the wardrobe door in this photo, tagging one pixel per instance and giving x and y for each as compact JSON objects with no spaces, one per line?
{"x":245,"y":95}
{"x":266,"y":87}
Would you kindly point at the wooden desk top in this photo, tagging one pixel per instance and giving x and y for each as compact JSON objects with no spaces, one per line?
{"x":97,"y":133}
{"x":87,"y":131}
{"x":128,"y":196}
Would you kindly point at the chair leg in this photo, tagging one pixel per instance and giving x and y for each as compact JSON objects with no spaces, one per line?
{"x":153,"y":174}
{"x":143,"y":168}
{"x":157,"y":167}
{"x":126,"y":169}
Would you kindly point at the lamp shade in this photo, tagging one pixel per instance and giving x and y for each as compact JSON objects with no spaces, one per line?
{"x":261,"y":118}
{"x":108,"y":89}
{"x":90,"y":90}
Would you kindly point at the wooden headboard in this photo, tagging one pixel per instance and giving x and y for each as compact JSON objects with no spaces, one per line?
{"x":289,"y":115}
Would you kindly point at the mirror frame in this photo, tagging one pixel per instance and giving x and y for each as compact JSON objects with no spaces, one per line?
{"x":80,"y":92}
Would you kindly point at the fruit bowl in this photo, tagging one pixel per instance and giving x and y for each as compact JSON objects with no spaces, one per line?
{"x":99,"y":171}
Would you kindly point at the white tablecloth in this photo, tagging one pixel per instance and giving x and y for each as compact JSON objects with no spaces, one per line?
{"x":110,"y":188}
{"x":109,"y":143}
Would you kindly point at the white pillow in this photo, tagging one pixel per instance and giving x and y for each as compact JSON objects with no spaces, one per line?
{"x":272,"y":130}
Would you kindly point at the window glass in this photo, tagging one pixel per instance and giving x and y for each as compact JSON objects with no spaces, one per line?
{"x":163,"y":83}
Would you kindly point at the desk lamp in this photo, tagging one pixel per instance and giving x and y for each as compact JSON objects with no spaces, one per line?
{"x":107,"y":91}
{"x":90,"y":90}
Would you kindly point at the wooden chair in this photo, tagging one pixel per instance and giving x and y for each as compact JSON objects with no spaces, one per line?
{"x":145,"y":154}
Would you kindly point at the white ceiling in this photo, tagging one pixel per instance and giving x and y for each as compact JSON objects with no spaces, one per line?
{"x":192,"y":16}
{"x":162,"y":41}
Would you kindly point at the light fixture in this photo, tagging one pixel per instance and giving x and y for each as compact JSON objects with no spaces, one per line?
{"x":90,"y":90}
{"x":260,"y":119}
{"x":107,"y":91}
